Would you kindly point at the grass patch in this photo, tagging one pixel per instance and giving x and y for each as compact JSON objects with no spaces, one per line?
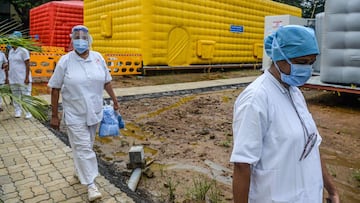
{"x":203,"y":190}
{"x":356,"y":176}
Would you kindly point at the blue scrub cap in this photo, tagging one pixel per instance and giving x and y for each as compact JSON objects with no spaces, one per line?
{"x":16,"y":34}
{"x":292,"y":41}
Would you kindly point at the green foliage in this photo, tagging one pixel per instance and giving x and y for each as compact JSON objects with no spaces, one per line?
{"x":200,"y":188}
{"x":22,"y":7}
{"x":21,"y":42}
{"x":309,"y":7}
{"x":204,"y":189}
{"x":171,"y":186}
{"x":215,"y":194}
{"x":226,"y":143}
{"x":36,"y":106}
{"x":356,"y":175}
{"x":331,"y":170}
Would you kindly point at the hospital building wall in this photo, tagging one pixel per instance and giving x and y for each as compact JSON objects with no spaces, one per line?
{"x":182,"y":33}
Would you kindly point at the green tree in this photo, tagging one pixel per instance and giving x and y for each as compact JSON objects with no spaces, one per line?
{"x":22,"y":8}
{"x":309,"y":7}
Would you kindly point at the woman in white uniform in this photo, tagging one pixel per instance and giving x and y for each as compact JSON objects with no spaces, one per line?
{"x":3,"y":73}
{"x":20,"y":79}
{"x":81,"y":76}
{"x":276,"y":143}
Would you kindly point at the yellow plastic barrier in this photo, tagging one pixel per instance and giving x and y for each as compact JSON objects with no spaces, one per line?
{"x":54,"y":50}
{"x":124,"y":64}
{"x":43,"y":64}
{"x":3,"y":47}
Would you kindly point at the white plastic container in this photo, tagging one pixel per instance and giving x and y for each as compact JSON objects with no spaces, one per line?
{"x":340,"y":53}
{"x":272,"y":23}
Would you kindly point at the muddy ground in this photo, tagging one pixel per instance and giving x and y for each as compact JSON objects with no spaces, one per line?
{"x":188,"y":138}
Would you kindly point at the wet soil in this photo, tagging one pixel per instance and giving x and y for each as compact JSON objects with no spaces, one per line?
{"x":187,"y":139}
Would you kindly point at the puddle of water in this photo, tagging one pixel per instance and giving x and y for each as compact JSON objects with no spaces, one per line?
{"x":226,"y":99}
{"x":181,"y":101}
{"x":134,"y":131}
{"x":40,"y":89}
{"x":130,"y":135}
{"x":120,"y":154}
{"x":159,"y":167}
{"x":148,"y":150}
{"x":108,"y":158}
{"x":103,"y":140}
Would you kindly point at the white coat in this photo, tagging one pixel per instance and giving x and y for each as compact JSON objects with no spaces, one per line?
{"x":82,"y":84}
{"x":269,"y":136}
{"x":17,"y":68}
{"x":2,"y":72}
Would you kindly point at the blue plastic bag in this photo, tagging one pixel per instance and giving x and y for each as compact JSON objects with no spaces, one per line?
{"x":111,"y":122}
{"x":121,"y":121}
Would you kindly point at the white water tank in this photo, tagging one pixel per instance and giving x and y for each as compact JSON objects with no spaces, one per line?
{"x":272,"y":23}
{"x":340,"y":52}
{"x":319,"y":26}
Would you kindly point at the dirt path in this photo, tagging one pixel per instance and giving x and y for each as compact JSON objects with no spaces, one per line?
{"x":188,"y":138}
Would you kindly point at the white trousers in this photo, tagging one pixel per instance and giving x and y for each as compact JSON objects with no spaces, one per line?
{"x":81,"y":139}
{"x":18,"y":90}
{"x":1,"y":97}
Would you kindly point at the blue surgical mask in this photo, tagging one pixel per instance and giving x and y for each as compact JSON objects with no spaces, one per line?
{"x":80,"y":45}
{"x":299,"y":74}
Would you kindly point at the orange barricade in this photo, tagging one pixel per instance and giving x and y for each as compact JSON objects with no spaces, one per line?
{"x":53,"y":50}
{"x":3,"y":48}
{"x":43,"y":64}
{"x":124,"y":64}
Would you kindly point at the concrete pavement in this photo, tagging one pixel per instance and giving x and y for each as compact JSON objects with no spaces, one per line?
{"x":132,"y":91}
{"x":35,"y":166}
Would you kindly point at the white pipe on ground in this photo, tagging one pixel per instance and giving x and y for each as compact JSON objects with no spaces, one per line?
{"x":134,"y":179}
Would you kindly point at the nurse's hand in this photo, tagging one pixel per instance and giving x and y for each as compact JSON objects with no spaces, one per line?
{"x":334,"y":198}
{"x":55,"y":122}
{"x":116,"y":106}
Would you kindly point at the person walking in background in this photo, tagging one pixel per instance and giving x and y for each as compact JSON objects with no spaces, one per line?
{"x":19,"y":74}
{"x":276,"y":142}
{"x":81,"y":76}
{"x":3,"y":73}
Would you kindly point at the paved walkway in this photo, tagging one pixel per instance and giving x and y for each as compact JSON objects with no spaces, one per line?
{"x":35,"y":166}
{"x":131,"y":91}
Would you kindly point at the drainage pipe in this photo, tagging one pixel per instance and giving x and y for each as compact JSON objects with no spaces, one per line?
{"x":134,"y":179}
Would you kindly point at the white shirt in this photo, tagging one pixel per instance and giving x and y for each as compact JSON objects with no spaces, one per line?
{"x":82,"y":84}
{"x":2,"y":72}
{"x":269,"y":136}
{"x":17,"y":68}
